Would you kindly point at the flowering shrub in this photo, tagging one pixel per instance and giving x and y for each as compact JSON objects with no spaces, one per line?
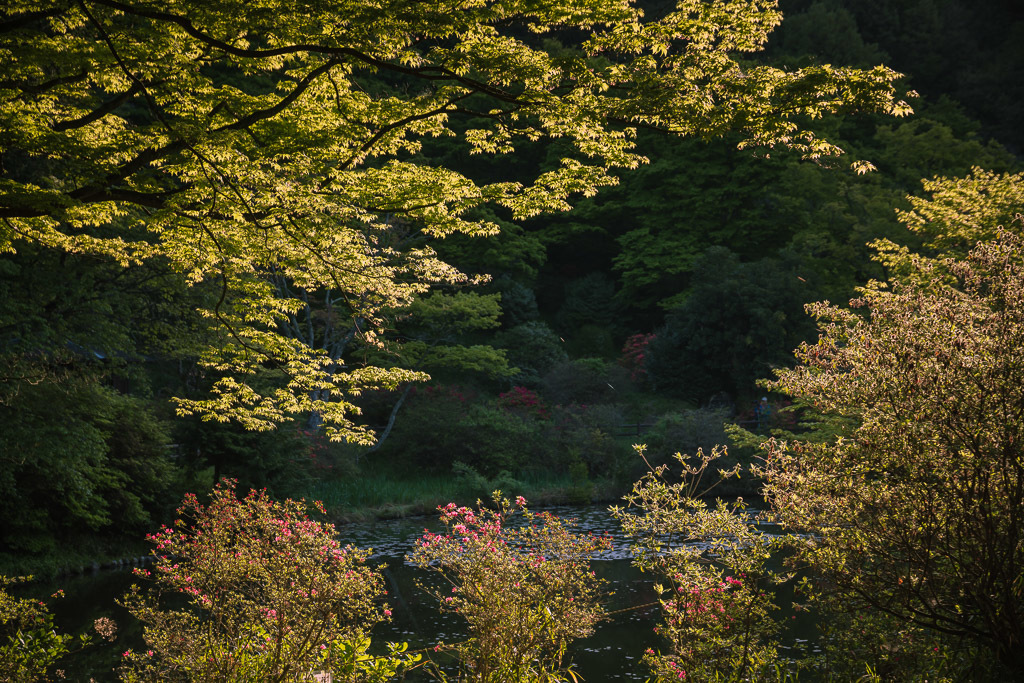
{"x":316,"y":447}
{"x":29,"y":644}
{"x":915,"y":511}
{"x":522,"y":401}
{"x":271,"y":596}
{"x":634,"y":352}
{"x":527,"y":590}
{"x":715,"y":590}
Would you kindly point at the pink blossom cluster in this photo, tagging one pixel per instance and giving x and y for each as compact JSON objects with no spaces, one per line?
{"x":634,"y":354}
{"x":524,"y":401}
{"x":267,"y":561}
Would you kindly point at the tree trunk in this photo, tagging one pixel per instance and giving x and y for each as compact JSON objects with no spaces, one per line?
{"x":391,"y":418}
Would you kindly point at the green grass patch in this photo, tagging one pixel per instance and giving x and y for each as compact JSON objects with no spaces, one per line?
{"x":379,"y":492}
{"x":383,"y":495}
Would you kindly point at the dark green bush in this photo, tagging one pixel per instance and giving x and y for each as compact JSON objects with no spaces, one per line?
{"x":583,"y":434}
{"x":532,"y":347}
{"x":440,"y":426}
{"x":496,"y":440}
{"x":684,"y":432}
{"x":586,"y":381}
{"x":738,"y":322}
{"x":78,"y":457}
{"x":426,"y":434}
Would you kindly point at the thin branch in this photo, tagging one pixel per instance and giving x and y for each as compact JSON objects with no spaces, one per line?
{"x":39,"y":88}
{"x":366,"y":146}
{"x":431,"y":72}
{"x":93,"y":195}
{"x":391,"y":419}
{"x":269,"y":112}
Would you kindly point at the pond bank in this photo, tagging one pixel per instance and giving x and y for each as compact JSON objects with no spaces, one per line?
{"x":602,"y":493}
{"x":112,"y":554}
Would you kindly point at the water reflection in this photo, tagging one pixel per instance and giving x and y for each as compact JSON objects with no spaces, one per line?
{"x":392,"y":539}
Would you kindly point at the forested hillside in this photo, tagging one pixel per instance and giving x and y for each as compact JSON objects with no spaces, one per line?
{"x":174,"y":307}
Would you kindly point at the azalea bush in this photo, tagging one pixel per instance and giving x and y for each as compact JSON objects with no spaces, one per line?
{"x":634,"y":354}
{"x":30,"y":645}
{"x":915,"y":506}
{"x":715,"y":587}
{"x":522,"y":580}
{"x":269,"y":594}
{"x":524,"y":402}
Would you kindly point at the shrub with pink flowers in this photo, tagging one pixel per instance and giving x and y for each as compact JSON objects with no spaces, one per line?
{"x":634,"y":354}
{"x":715,"y":587}
{"x":317,"y":448}
{"x":270,"y":596}
{"x":522,"y":580}
{"x":522,"y":401}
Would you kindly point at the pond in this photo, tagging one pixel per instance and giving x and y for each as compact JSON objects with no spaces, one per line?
{"x":612,"y":653}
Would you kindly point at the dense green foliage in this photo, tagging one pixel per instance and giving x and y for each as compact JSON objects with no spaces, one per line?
{"x":738,"y":321}
{"x":275,"y":160}
{"x":228,"y":204}
{"x":917,"y":509}
{"x":267,"y":215}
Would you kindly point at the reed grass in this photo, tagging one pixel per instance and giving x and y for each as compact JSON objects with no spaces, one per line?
{"x":383,"y":495}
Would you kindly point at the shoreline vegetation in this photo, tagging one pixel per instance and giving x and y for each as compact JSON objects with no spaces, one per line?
{"x":374,"y":496}
{"x":379,"y":498}
{"x":560,"y":454}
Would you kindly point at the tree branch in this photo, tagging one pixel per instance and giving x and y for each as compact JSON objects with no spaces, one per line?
{"x":391,"y":419}
{"x":94,"y":195}
{"x":366,"y":146}
{"x":39,"y":88}
{"x":269,"y":112}
{"x":99,"y":112}
{"x":430,"y":72}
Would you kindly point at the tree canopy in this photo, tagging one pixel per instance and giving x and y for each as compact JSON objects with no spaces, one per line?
{"x":270,"y":152}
